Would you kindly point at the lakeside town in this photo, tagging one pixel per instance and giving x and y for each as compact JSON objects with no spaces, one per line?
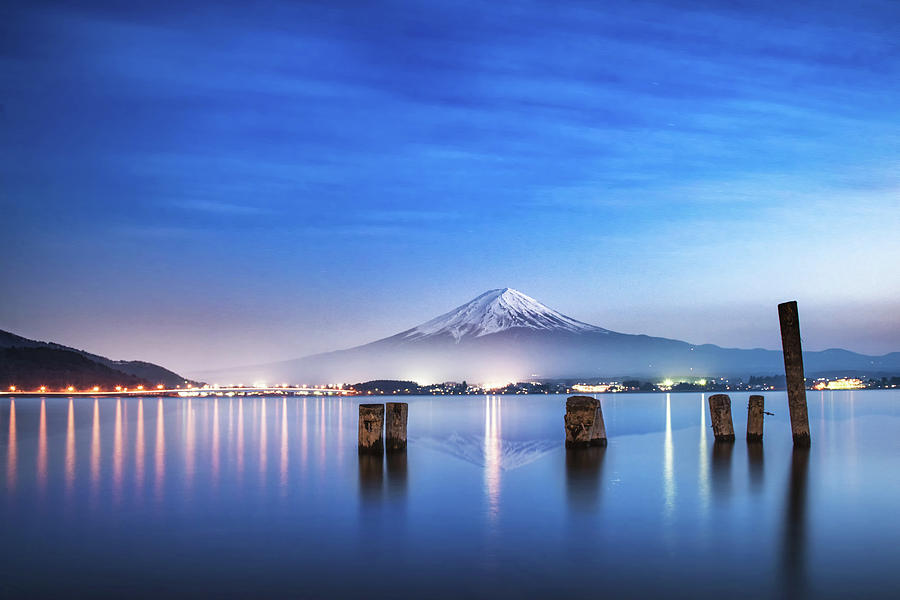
{"x":721,"y":384}
{"x":389,"y":387}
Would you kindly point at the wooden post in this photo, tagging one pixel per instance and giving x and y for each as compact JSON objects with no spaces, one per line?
{"x":371,"y":428}
{"x":793,"y":371}
{"x":755,"y":414}
{"x":720,"y":415}
{"x":395,"y":428}
{"x":584,"y":423}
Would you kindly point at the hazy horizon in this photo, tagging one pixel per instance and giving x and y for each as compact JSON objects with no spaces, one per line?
{"x":203,"y":368}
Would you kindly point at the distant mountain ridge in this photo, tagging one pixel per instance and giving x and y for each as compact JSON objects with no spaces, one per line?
{"x":30,"y":363}
{"x":504,"y":335}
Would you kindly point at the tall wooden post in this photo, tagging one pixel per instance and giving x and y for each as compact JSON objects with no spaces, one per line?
{"x":584,"y":422}
{"x":720,"y":415}
{"x":755,"y":414}
{"x":793,"y":371}
{"x":395,"y":427}
{"x":371,"y":428}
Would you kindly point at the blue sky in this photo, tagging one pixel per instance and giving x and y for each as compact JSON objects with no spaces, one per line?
{"x":225,"y":184}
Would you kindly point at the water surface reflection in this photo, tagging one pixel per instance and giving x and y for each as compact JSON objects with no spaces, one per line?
{"x":721,"y":469}
{"x":371,"y":477}
{"x":794,"y":544}
{"x":397,"y":474}
{"x":583,"y":477}
{"x":485,"y":489}
{"x":755,"y":466}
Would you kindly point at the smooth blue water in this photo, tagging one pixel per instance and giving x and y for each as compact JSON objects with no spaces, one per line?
{"x":267,"y":497}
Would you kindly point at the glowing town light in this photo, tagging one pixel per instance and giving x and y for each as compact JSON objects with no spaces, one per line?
{"x":70,"y":389}
{"x":845,"y":384}
{"x":12,"y":388}
{"x":498,"y":383}
{"x":159,"y":387}
{"x":96,"y":388}
{"x":140,"y":387}
{"x":43,"y":388}
{"x":590,"y":389}
{"x":118,"y":388}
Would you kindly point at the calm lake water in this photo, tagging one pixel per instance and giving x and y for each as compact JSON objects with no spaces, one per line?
{"x":253,"y":497}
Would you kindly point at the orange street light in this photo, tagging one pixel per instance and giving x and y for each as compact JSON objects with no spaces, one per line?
{"x":140,"y":387}
{"x":96,"y":388}
{"x":70,"y":389}
{"x":43,"y":388}
{"x":159,"y":387}
{"x":12,"y":388}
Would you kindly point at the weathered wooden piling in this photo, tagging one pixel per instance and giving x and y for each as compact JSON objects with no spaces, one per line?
{"x":395,"y":427}
{"x":584,"y":423}
{"x":371,"y":428}
{"x":793,"y":371}
{"x":755,"y":414}
{"x":720,"y":415}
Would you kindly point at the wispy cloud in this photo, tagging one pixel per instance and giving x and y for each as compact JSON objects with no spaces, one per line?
{"x":224,"y":208}
{"x":409,"y":216}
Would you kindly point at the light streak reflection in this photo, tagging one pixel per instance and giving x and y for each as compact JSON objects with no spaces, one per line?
{"x":240,"y":439}
{"x":95,"y":452}
{"x":160,"y":459}
{"x":70,"y":449}
{"x":322,"y":434}
{"x":42,"y":449}
{"x":492,"y":453}
{"x":303,"y":438}
{"x":139,"y":449}
{"x":669,"y":461}
{"x":118,"y":453}
{"x":12,"y":449}
{"x":262,"y":442}
{"x":189,"y":446}
{"x":215,"y":442}
{"x":284,"y":445}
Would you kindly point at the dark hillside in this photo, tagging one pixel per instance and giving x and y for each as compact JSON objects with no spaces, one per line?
{"x":30,"y":368}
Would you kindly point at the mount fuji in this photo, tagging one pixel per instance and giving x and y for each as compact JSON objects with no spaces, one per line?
{"x":495,"y":311}
{"x":505,"y":335}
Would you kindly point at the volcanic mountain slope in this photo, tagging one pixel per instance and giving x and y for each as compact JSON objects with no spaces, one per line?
{"x":505,"y":335}
{"x":29,"y":363}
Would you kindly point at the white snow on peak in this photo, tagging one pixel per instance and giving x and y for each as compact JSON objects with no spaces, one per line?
{"x":498,"y":310}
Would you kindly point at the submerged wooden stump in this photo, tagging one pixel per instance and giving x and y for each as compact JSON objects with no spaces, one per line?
{"x":584,"y":423}
{"x":371,"y":428}
{"x":720,"y":415}
{"x":793,"y":371}
{"x":395,"y":427}
{"x":755,"y":414}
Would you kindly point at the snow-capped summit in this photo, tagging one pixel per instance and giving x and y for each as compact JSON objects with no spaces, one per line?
{"x":495,"y":311}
